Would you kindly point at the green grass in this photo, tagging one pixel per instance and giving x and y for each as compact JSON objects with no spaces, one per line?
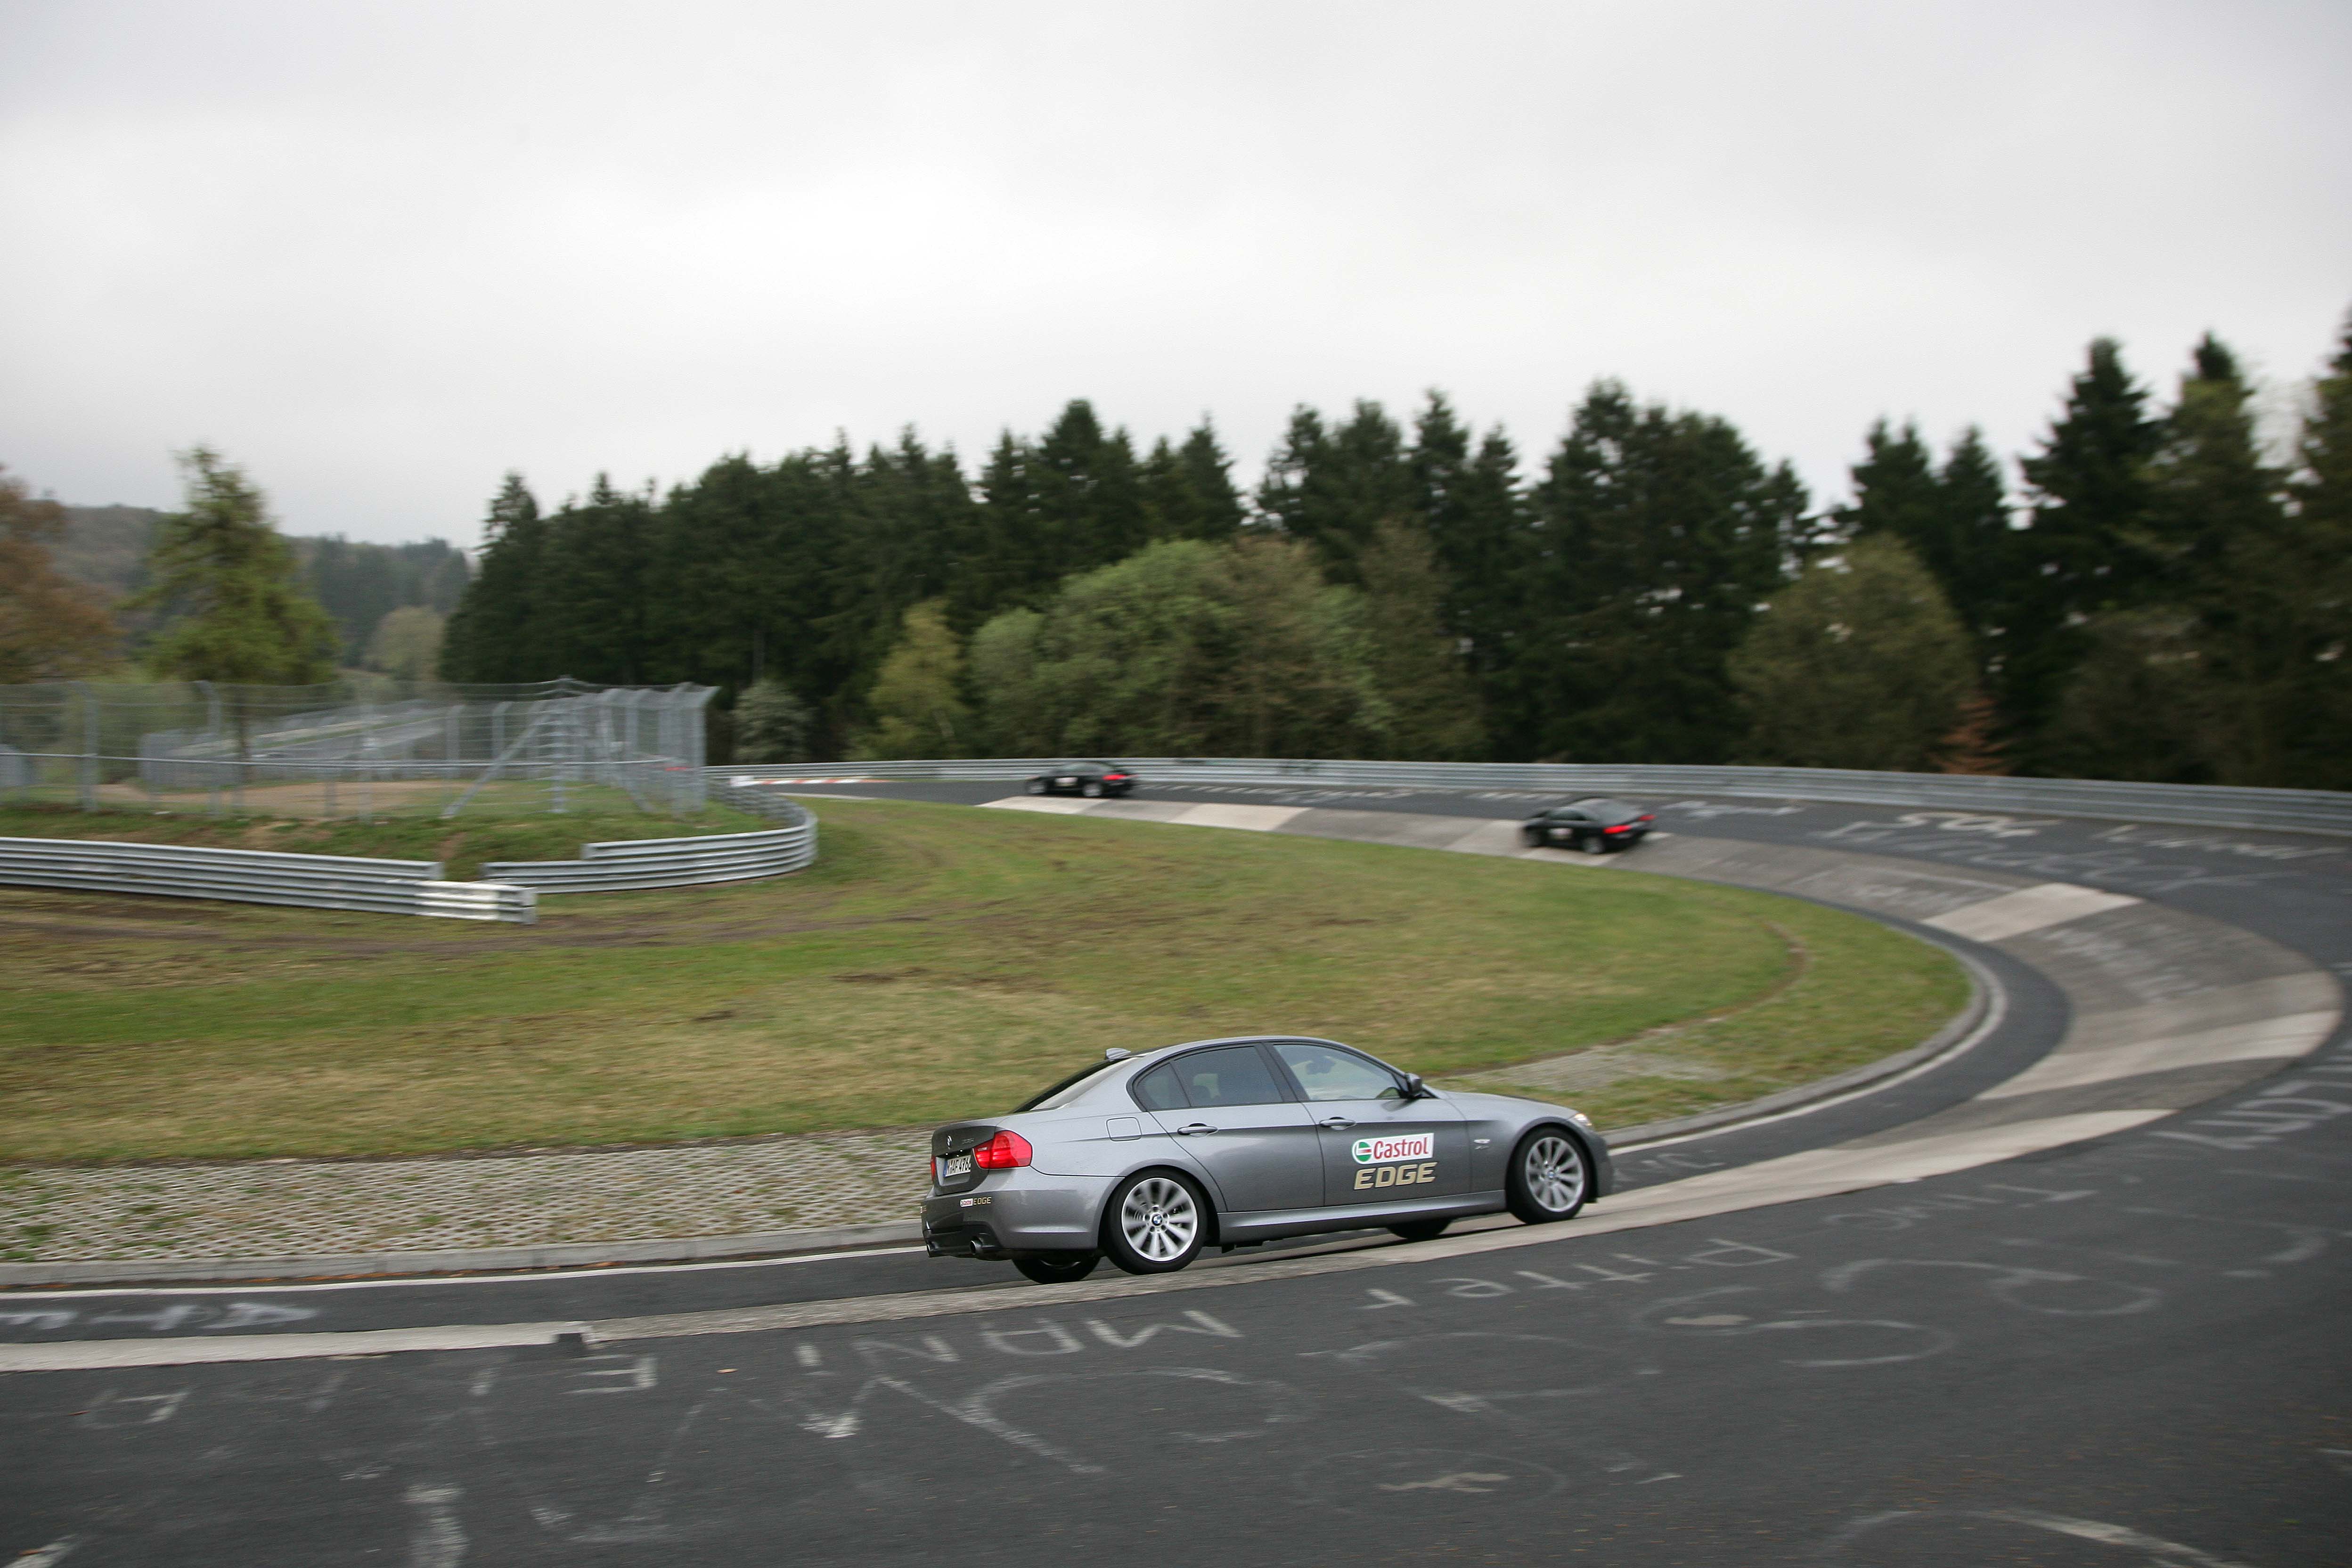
{"x":462,"y":844}
{"x":937,"y":961}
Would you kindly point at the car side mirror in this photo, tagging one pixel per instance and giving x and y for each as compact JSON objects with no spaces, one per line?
{"x":1416,"y":1089}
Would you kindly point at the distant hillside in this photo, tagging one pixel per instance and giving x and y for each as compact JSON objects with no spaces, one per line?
{"x":106,"y":547}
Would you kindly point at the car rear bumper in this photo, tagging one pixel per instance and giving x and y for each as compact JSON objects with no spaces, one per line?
{"x":1015,"y":1214}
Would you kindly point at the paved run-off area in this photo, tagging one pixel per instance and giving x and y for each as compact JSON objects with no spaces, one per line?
{"x":291,"y":1208}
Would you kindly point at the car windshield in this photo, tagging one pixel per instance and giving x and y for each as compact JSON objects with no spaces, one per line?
{"x":1068,"y":1090}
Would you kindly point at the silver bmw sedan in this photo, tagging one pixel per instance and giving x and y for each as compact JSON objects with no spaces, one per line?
{"x":1147,"y":1158}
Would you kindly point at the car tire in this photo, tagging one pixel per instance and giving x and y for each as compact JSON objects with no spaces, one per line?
{"x":1420,"y":1229}
{"x":1548,"y":1178}
{"x":1037,"y":786}
{"x":1586,"y":845}
{"x":1091,"y":790}
{"x":1534,"y":837}
{"x":1064,"y":1271}
{"x":1155,"y":1222}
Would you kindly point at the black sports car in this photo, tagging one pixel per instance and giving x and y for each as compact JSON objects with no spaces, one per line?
{"x":1594,"y":826}
{"x":1093,"y":780}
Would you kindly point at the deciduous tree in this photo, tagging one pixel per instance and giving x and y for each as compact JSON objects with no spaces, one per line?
{"x":51,"y":627}
{"x":1860,"y":663}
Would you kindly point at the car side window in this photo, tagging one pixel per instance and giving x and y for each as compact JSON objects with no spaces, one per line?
{"x":1233,"y":1075}
{"x":1324,"y":1073}
{"x":1159,"y":1090}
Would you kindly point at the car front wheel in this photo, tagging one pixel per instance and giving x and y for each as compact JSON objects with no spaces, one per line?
{"x":1091,"y":790}
{"x":1037,"y":786}
{"x":1549,"y":1177}
{"x":1155,"y":1223}
{"x":1067,"y":1270}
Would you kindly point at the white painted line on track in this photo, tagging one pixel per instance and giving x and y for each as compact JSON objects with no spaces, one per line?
{"x":2028,"y":909}
{"x":410,"y":1281}
{"x":82,"y":1356}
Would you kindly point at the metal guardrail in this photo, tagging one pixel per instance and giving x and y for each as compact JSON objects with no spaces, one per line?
{"x":2197,"y":806}
{"x":672,"y":862}
{"x":260,"y":876}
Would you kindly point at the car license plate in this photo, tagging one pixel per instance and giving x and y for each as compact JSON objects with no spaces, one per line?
{"x":955,"y":1165}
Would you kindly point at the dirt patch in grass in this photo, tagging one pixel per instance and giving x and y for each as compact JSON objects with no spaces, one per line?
{"x":937,"y":961}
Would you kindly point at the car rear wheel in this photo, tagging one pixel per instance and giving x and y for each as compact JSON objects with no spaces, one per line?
{"x":1065,"y":1270}
{"x":1091,"y":789}
{"x":1037,"y":786}
{"x":1420,"y":1229}
{"x":1155,"y":1223}
{"x":1550,"y":1177}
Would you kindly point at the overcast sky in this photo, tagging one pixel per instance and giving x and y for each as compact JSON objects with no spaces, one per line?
{"x":380,"y":254}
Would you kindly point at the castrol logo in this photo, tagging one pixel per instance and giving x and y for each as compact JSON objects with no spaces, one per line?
{"x":1380,"y":1151}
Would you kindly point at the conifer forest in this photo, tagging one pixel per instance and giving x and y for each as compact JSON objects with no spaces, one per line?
{"x":2160,"y":590}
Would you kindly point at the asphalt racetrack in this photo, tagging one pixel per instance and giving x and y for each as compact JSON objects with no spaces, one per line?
{"x":2125,"y":1344}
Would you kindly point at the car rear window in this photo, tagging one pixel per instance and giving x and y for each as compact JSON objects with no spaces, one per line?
{"x":1609,"y":810}
{"x":1233,"y":1075}
{"x":1159,"y":1090}
{"x":1068,"y":1090}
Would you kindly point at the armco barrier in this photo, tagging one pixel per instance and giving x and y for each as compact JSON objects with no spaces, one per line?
{"x":2202,"y":805}
{"x":260,"y":876}
{"x":667,"y":862}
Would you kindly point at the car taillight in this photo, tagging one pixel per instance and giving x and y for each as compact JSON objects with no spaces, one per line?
{"x":1621,"y":828}
{"x":1002,"y":1152}
{"x":1114,"y":775}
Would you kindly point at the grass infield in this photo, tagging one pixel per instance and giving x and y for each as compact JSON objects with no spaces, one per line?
{"x":937,"y":961}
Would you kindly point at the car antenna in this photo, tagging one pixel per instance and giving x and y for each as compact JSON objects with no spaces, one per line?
{"x":1117,"y":1053}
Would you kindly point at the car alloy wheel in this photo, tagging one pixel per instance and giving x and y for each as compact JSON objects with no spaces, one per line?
{"x":1037,"y":786}
{"x":1155,"y":1225}
{"x":1548,"y":1178}
{"x":1091,"y":790}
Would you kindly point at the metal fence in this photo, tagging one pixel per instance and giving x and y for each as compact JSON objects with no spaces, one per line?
{"x":260,"y":876}
{"x":364,"y":748}
{"x":668,"y":862}
{"x":2204,"y":805}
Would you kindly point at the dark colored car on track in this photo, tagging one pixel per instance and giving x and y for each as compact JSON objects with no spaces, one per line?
{"x":1595,"y":826}
{"x":1093,"y":780}
{"x":1147,"y":1158}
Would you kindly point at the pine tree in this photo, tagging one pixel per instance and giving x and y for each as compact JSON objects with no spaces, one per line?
{"x":2089,"y":488}
{"x":227,"y":579}
{"x":1331,"y":486}
{"x":2221,"y":548}
{"x":493,"y":633}
{"x":1954,"y":517}
{"x":1188,"y":491}
{"x":1656,"y":534}
{"x":1895,"y":491}
{"x":2318,"y":556}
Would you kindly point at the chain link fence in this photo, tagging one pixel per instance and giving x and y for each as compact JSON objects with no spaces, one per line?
{"x":365,"y":748}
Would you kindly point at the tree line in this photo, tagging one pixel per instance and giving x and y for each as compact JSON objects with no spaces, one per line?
{"x":2162,"y":598}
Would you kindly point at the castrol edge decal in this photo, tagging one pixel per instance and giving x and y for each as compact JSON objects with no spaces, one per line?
{"x":1381,"y":1150}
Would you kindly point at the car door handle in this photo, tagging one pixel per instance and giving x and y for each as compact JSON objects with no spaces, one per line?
{"x":1337,"y":1123}
{"x":1190,"y":1128}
